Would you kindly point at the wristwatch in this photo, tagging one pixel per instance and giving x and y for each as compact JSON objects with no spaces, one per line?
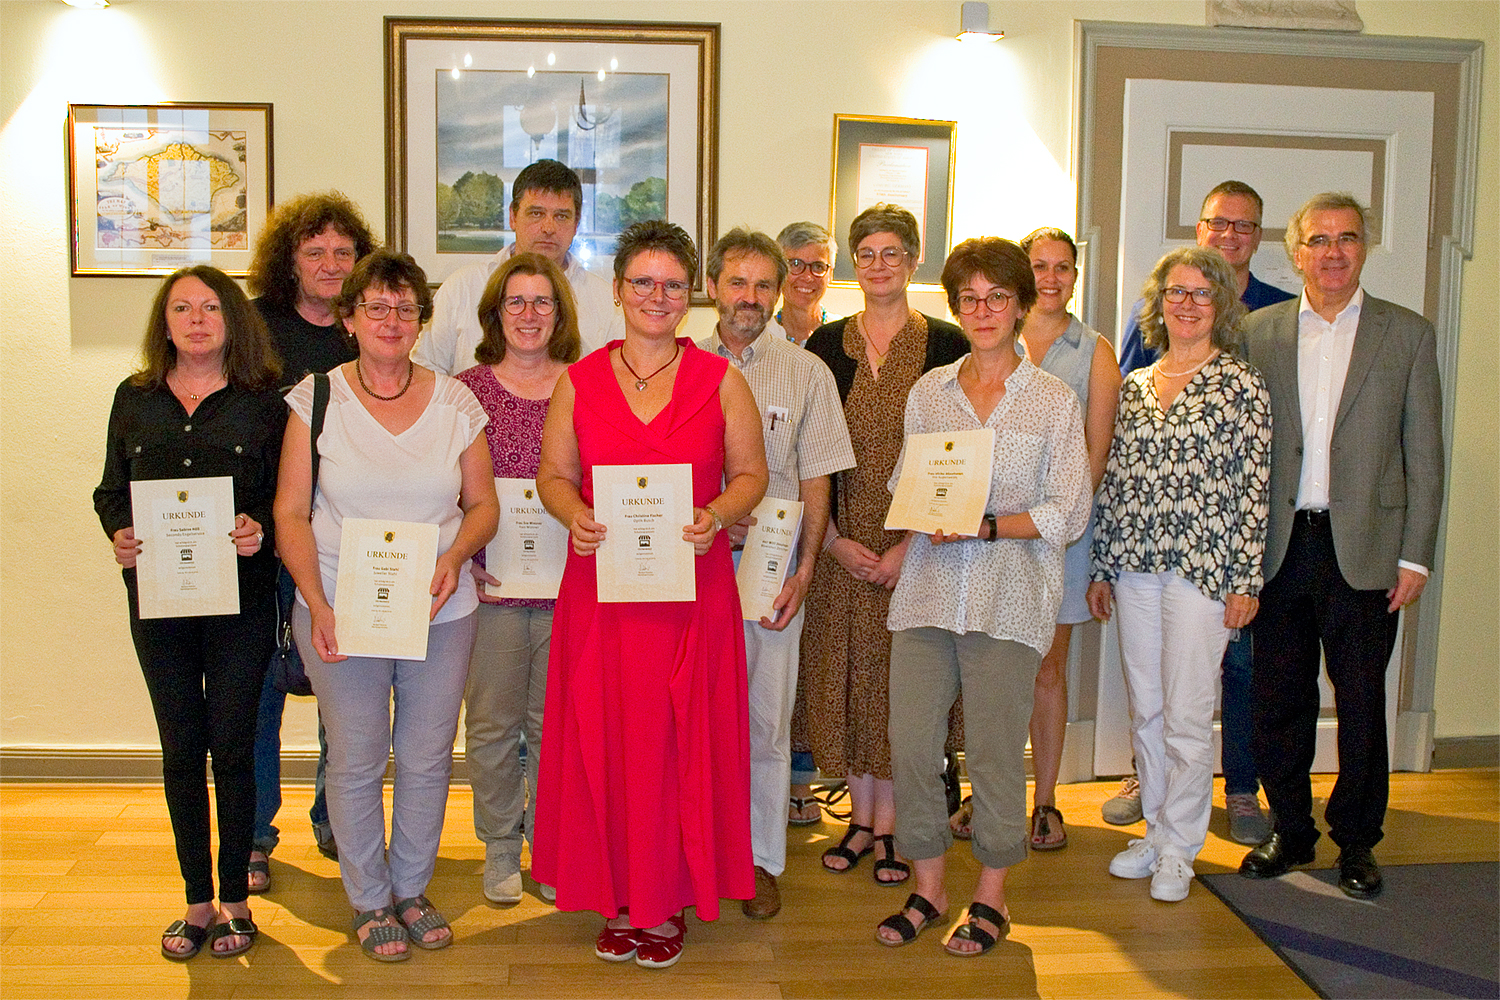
{"x":989,"y":519}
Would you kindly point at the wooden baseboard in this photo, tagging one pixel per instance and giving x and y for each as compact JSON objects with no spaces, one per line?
{"x":1466,"y":751}
{"x":133,"y":765}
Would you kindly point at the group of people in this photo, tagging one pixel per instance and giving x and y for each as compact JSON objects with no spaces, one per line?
{"x":644,"y":750}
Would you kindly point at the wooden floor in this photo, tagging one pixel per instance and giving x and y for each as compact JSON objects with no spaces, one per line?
{"x":88,"y":878}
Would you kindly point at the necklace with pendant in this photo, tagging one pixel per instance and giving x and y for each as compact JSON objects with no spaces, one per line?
{"x":640,"y":382}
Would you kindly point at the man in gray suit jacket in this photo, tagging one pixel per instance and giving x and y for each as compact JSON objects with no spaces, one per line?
{"x":1356,"y":492}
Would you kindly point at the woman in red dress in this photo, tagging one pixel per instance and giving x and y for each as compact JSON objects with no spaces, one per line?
{"x":643,"y":803}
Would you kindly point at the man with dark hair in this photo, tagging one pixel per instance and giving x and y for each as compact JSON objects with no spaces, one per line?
{"x":806,"y":442}
{"x":546,"y":200}
{"x":1356,"y":494}
{"x":1229,"y":223}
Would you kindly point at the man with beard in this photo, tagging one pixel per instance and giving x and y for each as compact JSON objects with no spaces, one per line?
{"x":806,"y":442}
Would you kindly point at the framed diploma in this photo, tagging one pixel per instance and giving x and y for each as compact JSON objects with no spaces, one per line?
{"x":381,"y":601}
{"x":187,"y":561}
{"x":530,"y":547}
{"x":643,"y":556}
{"x":945,"y":482}
{"x":770,"y":547}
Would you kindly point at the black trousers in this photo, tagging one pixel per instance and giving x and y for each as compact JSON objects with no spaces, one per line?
{"x":1305,"y":610}
{"x":204,"y":676}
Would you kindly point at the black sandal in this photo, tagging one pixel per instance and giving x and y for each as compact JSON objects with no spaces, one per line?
{"x":233,"y":927}
{"x":845,"y":852}
{"x":258,"y":868}
{"x":191,"y":933}
{"x":1041,"y":829}
{"x":901,"y":923}
{"x":889,"y":862}
{"x":971,"y":931}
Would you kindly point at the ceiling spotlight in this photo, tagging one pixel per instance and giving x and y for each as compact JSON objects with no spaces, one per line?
{"x":974,"y":24}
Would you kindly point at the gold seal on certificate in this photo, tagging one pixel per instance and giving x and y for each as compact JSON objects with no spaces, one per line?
{"x":643,"y":556}
{"x":945,"y":482}
{"x":382,"y":600}
{"x":530,"y":548}
{"x":187,"y":562}
{"x":769,"y":547}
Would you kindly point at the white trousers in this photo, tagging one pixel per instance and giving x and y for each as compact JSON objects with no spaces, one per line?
{"x":1172,"y":641}
{"x":772,"y":660}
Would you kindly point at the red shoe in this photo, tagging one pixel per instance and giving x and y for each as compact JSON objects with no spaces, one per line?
{"x":617,"y":944}
{"x":656,"y":952}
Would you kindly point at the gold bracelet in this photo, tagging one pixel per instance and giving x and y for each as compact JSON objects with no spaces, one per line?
{"x":718,"y":521}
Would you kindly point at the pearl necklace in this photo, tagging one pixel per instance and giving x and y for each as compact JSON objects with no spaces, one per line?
{"x":1166,"y":374}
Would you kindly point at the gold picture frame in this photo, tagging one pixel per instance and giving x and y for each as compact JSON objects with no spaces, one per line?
{"x":632,"y":107}
{"x":905,"y":161}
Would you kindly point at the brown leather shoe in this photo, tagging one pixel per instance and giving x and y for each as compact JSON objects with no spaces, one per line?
{"x":767,"y":901}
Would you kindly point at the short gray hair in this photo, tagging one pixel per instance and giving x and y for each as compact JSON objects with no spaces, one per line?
{"x":743,"y":240}
{"x":800,"y":234}
{"x":1325,"y":202}
{"x":886,"y":218}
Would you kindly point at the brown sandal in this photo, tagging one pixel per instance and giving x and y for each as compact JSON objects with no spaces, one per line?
{"x":1042,"y":828}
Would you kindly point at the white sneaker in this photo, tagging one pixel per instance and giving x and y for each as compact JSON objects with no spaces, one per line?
{"x":502,"y":885}
{"x":1136,"y":861}
{"x":1173,"y":875}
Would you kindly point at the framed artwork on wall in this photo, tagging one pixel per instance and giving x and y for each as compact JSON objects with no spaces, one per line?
{"x":900,"y":161}
{"x":632,"y":108}
{"x":156,"y":187}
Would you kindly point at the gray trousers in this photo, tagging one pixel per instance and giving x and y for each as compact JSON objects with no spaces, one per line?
{"x":929,"y":668}
{"x":505,"y":697}
{"x":356,"y":697}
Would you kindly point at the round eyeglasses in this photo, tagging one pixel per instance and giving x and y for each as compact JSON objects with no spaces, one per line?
{"x":996,"y":301}
{"x":891,"y":256}
{"x":645,"y":287}
{"x":543,"y":305}
{"x":797,"y":265}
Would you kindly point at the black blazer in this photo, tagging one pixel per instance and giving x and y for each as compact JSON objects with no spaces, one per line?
{"x":945,"y":345}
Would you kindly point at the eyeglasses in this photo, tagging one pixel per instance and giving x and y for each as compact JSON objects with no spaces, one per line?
{"x":1344,"y":241}
{"x":1242,"y":226}
{"x":892,"y":256}
{"x":797,"y":265}
{"x":645,"y":287}
{"x":378,"y":311}
{"x":996,"y":301}
{"x":543,"y":304}
{"x":1200,"y":296}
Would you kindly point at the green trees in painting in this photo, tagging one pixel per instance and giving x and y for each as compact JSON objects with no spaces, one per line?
{"x":474,"y":201}
{"x":647,"y":200}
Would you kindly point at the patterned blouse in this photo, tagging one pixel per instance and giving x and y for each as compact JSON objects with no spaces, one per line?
{"x":1011,"y":588}
{"x":514,"y":435}
{"x":1185,"y":491}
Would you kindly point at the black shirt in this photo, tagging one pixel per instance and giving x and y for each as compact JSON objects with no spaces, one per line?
{"x":233,"y":432}
{"x":304,"y":347}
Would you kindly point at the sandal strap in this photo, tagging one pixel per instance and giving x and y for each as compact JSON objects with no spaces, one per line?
{"x":428,"y":918}
{"x":922,"y":905}
{"x":383,"y":934}
{"x":902,"y":925}
{"x":239,"y":926}
{"x":370,"y":916}
{"x":984,"y":911}
{"x":191,"y":933}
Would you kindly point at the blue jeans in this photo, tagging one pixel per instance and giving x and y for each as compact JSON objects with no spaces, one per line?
{"x":1236,"y":719}
{"x":804,"y":771}
{"x":268,"y":751}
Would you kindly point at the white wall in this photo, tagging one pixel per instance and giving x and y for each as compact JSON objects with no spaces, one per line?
{"x":68,"y":676}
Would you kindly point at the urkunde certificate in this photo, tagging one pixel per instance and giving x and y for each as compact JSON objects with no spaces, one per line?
{"x":530,"y":547}
{"x":945,"y":482}
{"x":769,"y":545}
{"x":643,"y":556}
{"x":187,"y":562}
{"x":381,"y":601}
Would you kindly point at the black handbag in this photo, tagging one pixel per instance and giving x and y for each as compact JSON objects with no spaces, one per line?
{"x":287,"y":673}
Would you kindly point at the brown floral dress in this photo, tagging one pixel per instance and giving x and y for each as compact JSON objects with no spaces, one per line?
{"x":846,"y":647}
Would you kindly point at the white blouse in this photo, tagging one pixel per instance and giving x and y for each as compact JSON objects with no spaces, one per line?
{"x":1011,"y":588}
{"x":366,"y":471}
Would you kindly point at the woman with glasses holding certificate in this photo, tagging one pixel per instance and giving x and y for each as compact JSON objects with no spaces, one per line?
{"x":977,"y":604}
{"x":400,"y":447}
{"x":643,"y":798}
{"x":530,"y":325}
{"x":201,"y":414}
{"x":876,"y":356}
{"x":1177,"y":548}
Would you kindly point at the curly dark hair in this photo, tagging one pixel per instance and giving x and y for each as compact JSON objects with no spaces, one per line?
{"x":250,"y":362}
{"x":1000,"y":261}
{"x":562,"y":345}
{"x":273,"y":271}
{"x":656,"y":234}
{"x":1228,"y":309}
{"x":390,"y":269}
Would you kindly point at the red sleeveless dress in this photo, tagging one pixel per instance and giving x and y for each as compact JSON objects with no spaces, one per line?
{"x":643,"y":797}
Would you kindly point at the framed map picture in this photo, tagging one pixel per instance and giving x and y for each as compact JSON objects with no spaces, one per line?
{"x":631,"y":108}
{"x":156,"y":187}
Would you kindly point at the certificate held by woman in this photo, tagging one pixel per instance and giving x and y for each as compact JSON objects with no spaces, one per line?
{"x":382,"y":602}
{"x":644,"y":557}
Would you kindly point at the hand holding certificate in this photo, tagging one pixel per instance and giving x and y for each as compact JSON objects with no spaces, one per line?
{"x":644,"y":557}
{"x":382,"y":602}
{"x":530,"y":548}
{"x":185,"y":565}
{"x":944,"y":483}
{"x":767,"y":556}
